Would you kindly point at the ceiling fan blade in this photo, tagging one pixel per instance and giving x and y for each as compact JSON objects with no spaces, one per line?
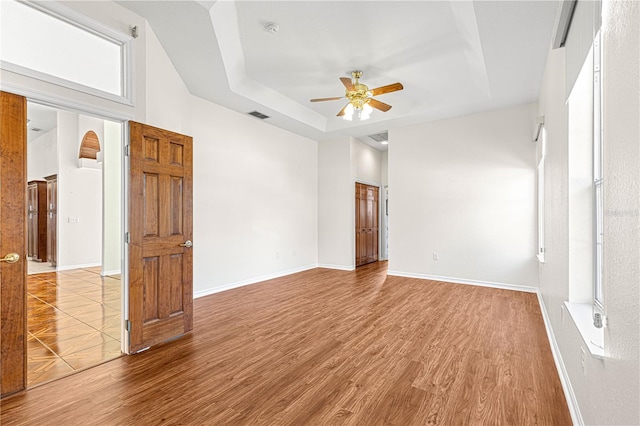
{"x":387,"y":89}
{"x":342,"y":111}
{"x":347,"y":82}
{"x":379,"y":105}
{"x":326,"y":99}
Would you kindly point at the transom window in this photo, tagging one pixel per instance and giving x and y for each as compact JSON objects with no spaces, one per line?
{"x":45,"y":43}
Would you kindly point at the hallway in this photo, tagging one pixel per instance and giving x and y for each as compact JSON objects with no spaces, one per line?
{"x":73,"y":322}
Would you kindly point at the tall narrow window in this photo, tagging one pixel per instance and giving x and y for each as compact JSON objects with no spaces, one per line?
{"x":540,"y":172}
{"x":598,"y":176}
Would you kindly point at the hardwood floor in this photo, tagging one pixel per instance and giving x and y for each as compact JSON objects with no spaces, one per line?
{"x":327,"y":347}
{"x":73,"y":322}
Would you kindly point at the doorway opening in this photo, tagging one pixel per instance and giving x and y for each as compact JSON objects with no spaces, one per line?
{"x":74,"y":235}
{"x":366,"y":220}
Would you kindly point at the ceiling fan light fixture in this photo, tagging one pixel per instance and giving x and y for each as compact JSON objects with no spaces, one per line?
{"x":348,"y":112}
{"x":366,"y":112}
{"x":360,"y":97}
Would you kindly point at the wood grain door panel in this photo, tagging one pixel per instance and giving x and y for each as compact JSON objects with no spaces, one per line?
{"x":52,"y":219}
{"x":13,"y":236}
{"x":160,"y":220}
{"x":366,"y":224}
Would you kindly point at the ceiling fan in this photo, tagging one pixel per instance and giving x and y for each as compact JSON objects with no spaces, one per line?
{"x":361,"y":97}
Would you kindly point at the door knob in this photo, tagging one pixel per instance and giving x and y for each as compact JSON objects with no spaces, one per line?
{"x":187,"y":244}
{"x":11,"y":258}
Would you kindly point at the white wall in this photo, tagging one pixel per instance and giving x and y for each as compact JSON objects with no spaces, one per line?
{"x":366,"y":163}
{"x":464,"y":188}
{"x":79,"y":195}
{"x":168,"y":101}
{"x":42,"y":156}
{"x":384,"y":218}
{"x":112,"y":190}
{"x":335,"y":204}
{"x":608,"y":390}
{"x":384,"y":167}
{"x":255,"y":199}
{"x":255,"y":186}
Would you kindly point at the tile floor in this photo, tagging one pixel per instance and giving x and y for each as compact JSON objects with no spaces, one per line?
{"x":73,"y":322}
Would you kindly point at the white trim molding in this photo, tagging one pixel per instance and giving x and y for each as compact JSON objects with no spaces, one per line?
{"x":504,"y":286}
{"x":230,"y":286}
{"x":570,"y":396}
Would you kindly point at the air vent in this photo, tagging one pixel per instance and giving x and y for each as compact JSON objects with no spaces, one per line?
{"x":380,"y":137}
{"x":35,"y":129}
{"x":259,"y":115}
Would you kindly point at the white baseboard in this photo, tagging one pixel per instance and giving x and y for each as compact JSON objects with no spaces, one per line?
{"x":504,"y":286}
{"x":114,"y":272}
{"x":225,"y":287}
{"x":339,"y":267}
{"x":570,"y":396}
{"x":79,"y":266}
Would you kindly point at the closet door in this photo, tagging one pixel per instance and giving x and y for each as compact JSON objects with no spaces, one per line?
{"x":37,"y":220}
{"x":366,"y":204}
{"x":32,"y":219}
{"x":52,"y":219}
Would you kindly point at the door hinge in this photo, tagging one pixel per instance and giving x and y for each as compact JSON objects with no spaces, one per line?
{"x":126,"y":150}
{"x":127,"y":237}
{"x":127,"y":325}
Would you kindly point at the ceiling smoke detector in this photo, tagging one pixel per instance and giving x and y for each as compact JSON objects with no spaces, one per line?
{"x":271,"y":27}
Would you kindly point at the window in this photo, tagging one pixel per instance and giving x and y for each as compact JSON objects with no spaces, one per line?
{"x":540,"y":173}
{"x":52,"y":43}
{"x":598,"y":179}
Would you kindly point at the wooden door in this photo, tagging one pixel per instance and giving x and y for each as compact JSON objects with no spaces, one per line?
{"x":52,"y":219}
{"x":366,"y":224}
{"x":32,"y":220}
{"x":160,"y":228}
{"x":13,"y":235}
{"x":40,"y":217}
{"x":37,"y":220}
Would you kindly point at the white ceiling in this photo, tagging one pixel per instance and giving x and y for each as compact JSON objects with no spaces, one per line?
{"x":453,"y":57}
{"x":41,"y":118}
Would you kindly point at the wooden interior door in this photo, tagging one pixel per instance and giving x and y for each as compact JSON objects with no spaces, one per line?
{"x":32,"y":220}
{"x":366,"y":224}
{"x":160,"y":228}
{"x":13,"y":236}
{"x":37,"y":220}
{"x":52,"y":219}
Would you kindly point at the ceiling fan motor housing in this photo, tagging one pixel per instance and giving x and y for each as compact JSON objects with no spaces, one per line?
{"x":360,"y":95}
